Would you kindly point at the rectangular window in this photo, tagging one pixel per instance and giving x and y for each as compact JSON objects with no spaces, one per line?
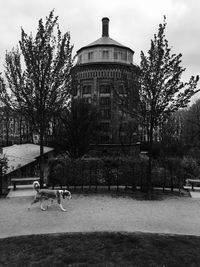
{"x":104,"y":126}
{"x":123,"y":138}
{"x":104,"y":139}
{"x":124,"y":55}
{"x":118,"y":54}
{"x":87,"y":89}
{"x":105,"y":113}
{"x":104,"y":101}
{"x":115,"y":54}
{"x":105,"y":54}
{"x":123,"y":126}
{"x":130,"y":57}
{"x":87,"y":100}
{"x":122,"y":89}
{"x":74,"y":91}
{"x":104,"y":89}
{"x":80,"y":59}
{"x":90,"y":56}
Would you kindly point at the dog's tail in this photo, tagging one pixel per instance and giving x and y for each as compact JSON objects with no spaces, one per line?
{"x":36,"y":185}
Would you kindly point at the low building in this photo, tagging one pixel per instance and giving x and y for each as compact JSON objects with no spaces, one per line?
{"x":23,"y":160}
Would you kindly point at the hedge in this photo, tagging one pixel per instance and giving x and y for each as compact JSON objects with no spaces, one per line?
{"x":108,"y":171}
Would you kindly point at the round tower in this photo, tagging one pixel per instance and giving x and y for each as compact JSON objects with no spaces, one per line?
{"x":99,"y":72}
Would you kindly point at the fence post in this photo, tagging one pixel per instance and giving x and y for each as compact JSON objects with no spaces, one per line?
{"x":82,"y":174}
{"x":96,"y":174}
{"x":117,"y":178}
{"x":133,"y":177}
{"x":1,"y":180}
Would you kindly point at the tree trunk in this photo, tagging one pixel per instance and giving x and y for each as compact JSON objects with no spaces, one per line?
{"x":7,"y":132}
{"x":41,"y":155}
{"x":149,"y":186}
{"x":20,"y":129}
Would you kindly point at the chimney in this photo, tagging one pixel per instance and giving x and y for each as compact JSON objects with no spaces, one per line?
{"x":105,"y":27}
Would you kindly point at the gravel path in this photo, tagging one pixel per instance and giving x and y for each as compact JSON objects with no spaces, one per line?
{"x":101,"y":213}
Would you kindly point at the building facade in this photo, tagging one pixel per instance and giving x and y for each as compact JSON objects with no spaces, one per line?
{"x":14,"y":129}
{"x":99,"y":77}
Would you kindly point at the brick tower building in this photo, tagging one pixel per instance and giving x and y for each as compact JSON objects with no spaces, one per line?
{"x":99,"y":73}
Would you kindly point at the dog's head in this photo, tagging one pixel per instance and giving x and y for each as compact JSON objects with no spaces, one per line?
{"x":36,"y":185}
{"x":65,"y":193}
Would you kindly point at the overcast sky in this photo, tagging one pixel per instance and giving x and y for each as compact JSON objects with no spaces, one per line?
{"x":132,"y":23}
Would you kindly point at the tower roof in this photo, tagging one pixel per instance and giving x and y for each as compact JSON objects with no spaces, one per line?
{"x":105,"y":40}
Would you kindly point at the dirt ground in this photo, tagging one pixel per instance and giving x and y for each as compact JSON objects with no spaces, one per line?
{"x":176,"y":215}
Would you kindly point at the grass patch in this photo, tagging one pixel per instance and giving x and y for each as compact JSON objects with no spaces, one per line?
{"x":100,"y":249}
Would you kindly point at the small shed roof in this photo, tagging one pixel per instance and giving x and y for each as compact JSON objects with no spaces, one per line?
{"x":21,"y":155}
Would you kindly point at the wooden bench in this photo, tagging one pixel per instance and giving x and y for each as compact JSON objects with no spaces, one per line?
{"x":16,"y":181}
{"x":192,"y":182}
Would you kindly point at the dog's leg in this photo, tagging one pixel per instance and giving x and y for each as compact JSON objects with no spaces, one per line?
{"x":41,"y":206}
{"x":60,"y":205}
{"x":33,"y":202}
{"x":51,"y":202}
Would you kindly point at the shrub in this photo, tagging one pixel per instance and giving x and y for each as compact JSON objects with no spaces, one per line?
{"x":56,"y":172}
{"x":190,"y":167}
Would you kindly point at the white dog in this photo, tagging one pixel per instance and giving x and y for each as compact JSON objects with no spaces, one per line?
{"x":47,"y":194}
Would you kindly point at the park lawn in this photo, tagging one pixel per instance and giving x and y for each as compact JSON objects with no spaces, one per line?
{"x":100,"y":249}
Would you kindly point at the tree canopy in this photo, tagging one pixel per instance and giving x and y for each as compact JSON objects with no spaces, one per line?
{"x":76,"y":128}
{"x":161,"y":90}
{"x":38,"y":74}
